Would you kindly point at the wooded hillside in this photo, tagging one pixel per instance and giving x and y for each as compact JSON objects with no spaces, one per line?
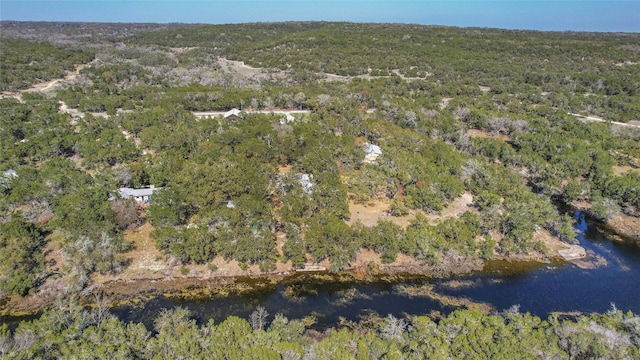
{"x":455,"y":112}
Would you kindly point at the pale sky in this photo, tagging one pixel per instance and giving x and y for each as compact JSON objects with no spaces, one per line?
{"x":559,"y":15}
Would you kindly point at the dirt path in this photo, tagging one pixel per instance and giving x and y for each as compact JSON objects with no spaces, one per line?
{"x":599,"y":119}
{"x":205,"y":114}
{"x":47,"y":85}
{"x":247,"y":72}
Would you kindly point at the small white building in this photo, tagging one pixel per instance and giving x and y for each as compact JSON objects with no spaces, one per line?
{"x":232,"y":114}
{"x":287,"y":118}
{"x":371,"y":153}
{"x":138,"y":195}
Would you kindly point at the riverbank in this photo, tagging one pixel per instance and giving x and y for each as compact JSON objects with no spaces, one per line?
{"x":133,"y":287}
{"x":202,"y":281}
{"x":625,"y":227}
{"x":150,"y":273}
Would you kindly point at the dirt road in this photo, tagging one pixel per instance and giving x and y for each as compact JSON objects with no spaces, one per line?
{"x":47,"y":85}
{"x":599,"y":119}
{"x":204,"y":114}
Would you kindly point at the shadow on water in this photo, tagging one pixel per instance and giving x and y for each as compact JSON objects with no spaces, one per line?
{"x":327,"y":301}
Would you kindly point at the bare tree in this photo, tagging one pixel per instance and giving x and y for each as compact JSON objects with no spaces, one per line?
{"x":393,"y":328}
{"x":430,"y":114}
{"x":24,"y":339}
{"x":290,"y":355}
{"x":258,"y":318}
{"x":101,"y":312}
{"x":268,"y":103}
{"x":499,"y":125}
{"x":126,"y":213}
{"x":462,"y":114}
{"x":323,"y":99}
{"x":5,"y":344}
{"x":410,"y":120}
{"x":520,"y":125}
{"x":38,"y":211}
{"x":122,"y":174}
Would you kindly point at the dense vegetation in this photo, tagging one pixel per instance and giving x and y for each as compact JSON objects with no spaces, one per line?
{"x":565,"y":65}
{"x":27,"y":62}
{"x":455,"y":111}
{"x":78,"y":333}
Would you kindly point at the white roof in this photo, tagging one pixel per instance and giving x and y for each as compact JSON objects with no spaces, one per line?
{"x":127,"y":193}
{"x":372,"y":149}
{"x":232,"y":112}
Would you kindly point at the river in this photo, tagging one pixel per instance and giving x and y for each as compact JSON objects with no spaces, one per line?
{"x":536,"y":288}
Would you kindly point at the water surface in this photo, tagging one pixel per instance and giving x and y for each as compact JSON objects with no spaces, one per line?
{"x":537,"y":288}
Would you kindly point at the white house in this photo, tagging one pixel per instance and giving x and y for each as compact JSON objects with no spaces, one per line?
{"x":139,"y":195}
{"x":232,"y":114}
{"x":371,"y":152}
{"x":287,"y":118}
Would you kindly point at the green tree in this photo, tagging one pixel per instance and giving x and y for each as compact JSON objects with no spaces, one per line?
{"x":22,"y":261}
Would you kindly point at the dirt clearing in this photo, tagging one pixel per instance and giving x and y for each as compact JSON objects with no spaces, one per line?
{"x":621,"y":170}
{"x":371,"y":212}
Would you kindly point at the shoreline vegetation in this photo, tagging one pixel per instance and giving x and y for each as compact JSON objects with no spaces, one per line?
{"x":226,"y":277}
{"x":337,"y":161}
{"x":128,"y":288}
{"x":74,"y":331}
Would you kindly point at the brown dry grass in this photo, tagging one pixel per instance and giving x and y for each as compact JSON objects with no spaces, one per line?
{"x":371,"y":212}
{"x":242,"y":70}
{"x":144,"y":259}
{"x":281,"y":238}
{"x":486,"y":134}
{"x":54,"y":261}
{"x":284,"y":169}
{"x":368,"y":213}
{"x":620,"y":170}
{"x":552,"y":243}
{"x":458,"y":206}
{"x":147,"y":262}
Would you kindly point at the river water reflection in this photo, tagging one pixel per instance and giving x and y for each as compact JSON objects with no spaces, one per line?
{"x":537,"y":288}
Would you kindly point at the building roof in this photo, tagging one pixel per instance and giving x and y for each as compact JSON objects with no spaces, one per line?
{"x":372,"y":149}
{"x":127,"y":193}
{"x":287,"y":118}
{"x":232,"y":112}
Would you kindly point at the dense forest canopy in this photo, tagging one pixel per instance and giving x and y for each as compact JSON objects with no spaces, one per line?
{"x":75,"y":332}
{"x":454,"y":112}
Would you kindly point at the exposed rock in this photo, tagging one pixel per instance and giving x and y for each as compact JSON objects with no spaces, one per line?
{"x":574,"y":252}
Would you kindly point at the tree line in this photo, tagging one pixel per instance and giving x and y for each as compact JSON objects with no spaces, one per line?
{"x":76,"y":332}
